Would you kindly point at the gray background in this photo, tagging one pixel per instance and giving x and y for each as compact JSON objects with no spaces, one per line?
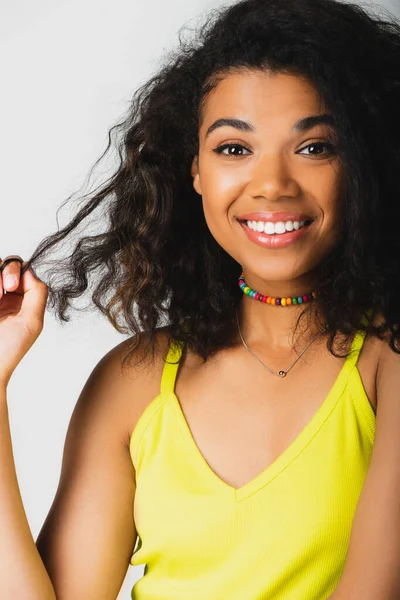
{"x":69,"y":69}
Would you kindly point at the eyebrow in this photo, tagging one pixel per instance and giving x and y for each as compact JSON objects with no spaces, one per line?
{"x":301,"y":125}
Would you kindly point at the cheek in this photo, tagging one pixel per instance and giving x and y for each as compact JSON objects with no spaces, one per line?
{"x":221,"y":177}
{"x":328,"y":194}
{"x":215,"y":213}
{"x":335,"y":192}
{"x":217,"y":197}
{"x":222,"y":187}
{"x":218,"y":219}
{"x":333,"y":215}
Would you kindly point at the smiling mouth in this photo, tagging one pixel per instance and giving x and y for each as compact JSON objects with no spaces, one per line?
{"x":276,"y":228}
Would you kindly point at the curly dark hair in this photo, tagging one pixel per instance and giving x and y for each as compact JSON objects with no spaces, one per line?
{"x":157,"y":261}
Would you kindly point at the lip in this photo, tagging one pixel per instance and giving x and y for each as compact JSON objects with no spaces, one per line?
{"x":276,"y":241}
{"x":274,"y":217}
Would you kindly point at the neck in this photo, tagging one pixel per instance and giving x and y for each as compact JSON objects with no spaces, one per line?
{"x":264,"y":324}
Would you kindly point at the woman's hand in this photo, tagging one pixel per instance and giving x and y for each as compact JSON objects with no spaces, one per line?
{"x":22,"y":310}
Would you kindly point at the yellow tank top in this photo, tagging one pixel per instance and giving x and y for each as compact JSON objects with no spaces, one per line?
{"x":282,"y":536}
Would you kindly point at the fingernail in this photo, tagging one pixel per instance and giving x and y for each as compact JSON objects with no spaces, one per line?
{"x":10,"y":280}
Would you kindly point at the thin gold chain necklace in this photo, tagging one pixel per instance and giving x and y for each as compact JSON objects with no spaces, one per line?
{"x":282,"y":372}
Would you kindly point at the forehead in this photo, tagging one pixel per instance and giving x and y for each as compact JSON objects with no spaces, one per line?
{"x":258,"y":95}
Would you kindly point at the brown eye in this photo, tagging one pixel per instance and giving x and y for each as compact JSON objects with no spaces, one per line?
{"x":316,"y":149}
{"x":232,"y":150}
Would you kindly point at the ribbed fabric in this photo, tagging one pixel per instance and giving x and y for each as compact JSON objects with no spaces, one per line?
{"x":283,"y":536}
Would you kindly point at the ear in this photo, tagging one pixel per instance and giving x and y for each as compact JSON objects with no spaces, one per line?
{"x":196,"y":175}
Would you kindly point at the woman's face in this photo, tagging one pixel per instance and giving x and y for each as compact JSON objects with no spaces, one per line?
{"x":270,"y":186}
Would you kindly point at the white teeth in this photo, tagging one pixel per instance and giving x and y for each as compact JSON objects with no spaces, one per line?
{"x":272,"y":228}
{"x":289,"y":225}
{"x":260,"y":226}
{"x":280,"y":227}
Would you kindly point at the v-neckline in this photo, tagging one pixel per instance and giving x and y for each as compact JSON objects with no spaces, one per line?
{"x":283,"y":460}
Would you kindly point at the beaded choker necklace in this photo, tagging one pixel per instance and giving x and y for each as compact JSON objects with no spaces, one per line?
{"x":270,"y":299}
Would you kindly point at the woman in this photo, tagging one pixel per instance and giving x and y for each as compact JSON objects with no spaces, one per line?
{"x":255,"y":209}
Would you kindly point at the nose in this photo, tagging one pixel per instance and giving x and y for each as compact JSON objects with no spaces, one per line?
{"x":272,"y":178}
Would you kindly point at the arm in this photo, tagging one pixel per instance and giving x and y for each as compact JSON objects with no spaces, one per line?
{"x":89,"y":535}
{"x":372,"y":569}
{"x":85,"y":545}
{"x":22,"y":573}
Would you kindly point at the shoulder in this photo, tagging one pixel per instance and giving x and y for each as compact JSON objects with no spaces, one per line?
{"x":141,"y":362}
{"x":388,"y":372}
{"x":91,"y":514}
{"x":385,"y":358}
{"x":118,"y":391}
{"x":380,"y":366}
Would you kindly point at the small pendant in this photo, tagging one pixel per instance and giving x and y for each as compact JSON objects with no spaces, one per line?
{"x":282,"y":373}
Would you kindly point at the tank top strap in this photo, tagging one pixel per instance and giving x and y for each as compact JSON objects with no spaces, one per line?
{"x":171,"y":366}
{"x":174,"y":354}
{"x":356,"y":347}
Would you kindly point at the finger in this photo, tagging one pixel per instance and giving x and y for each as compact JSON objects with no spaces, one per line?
{"x":11,"y":272}
{"x":9,"y":258}
{"x":35,"y":297}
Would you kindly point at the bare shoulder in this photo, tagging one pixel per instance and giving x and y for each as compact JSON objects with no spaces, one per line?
{"x":388,"y":372}
{"x":133,"y":383}
{"x":89,"y":534}
{"x":376,"y":357}
{"x":116,"y":393}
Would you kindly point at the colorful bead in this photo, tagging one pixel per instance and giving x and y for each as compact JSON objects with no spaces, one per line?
{"x":274,"y":301}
